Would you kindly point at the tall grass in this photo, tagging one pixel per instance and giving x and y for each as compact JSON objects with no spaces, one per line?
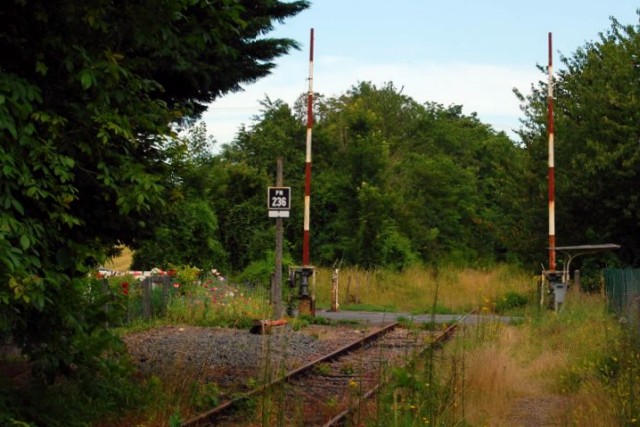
{"x":575,"y":368}
{"x":122,"y":262}
{"x":173,"y":393}
{"x":218,"y":305}
{"x":413,"y":290}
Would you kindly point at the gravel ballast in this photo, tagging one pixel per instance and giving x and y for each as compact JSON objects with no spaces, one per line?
{"x":232,"y":358}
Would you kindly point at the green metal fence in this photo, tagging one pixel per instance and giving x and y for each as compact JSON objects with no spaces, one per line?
{"x":623,"y":290}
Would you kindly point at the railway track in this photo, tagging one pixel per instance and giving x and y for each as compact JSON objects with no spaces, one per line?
{"x":328,"y":390}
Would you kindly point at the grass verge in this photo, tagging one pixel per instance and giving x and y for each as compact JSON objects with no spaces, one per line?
{"x":575,"y":368}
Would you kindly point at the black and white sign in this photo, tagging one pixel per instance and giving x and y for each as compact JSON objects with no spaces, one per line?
{"x":279,"y":201}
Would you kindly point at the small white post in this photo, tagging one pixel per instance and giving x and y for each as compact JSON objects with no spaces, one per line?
{"x":335,"y":304}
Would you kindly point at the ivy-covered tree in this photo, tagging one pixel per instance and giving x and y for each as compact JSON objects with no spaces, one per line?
{"x":89,"y":92}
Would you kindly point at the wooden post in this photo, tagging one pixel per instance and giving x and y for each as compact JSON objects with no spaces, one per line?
{"x":335,"y":304}
{"x":276,"y":286}
{"x":576,"y":279}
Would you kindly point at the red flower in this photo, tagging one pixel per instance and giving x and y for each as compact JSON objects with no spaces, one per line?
{"x":125,"y":288}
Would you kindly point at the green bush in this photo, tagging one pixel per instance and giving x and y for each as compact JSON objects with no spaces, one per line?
{"x":510,"y":301}
{"x":259,"y":272}
{"x":95,"y":383}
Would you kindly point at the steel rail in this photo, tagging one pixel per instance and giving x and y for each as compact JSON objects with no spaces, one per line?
{"x":340,"y":418}
{"x":207,"y":417}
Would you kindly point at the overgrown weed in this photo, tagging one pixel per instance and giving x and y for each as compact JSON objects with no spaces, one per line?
{"x":580,"y":359}
{"x":412,"y":290}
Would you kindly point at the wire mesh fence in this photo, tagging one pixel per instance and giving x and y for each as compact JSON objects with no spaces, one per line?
{"x":623,"y":292}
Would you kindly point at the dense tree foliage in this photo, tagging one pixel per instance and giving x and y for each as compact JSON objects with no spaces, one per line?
{"x":186,"y":233}
{"x":394,"y":182}
{"x":597,"y":142}
{"x":89,"y":92}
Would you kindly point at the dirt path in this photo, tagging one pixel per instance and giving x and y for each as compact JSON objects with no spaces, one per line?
{"x":541,"y":411}
{"x":509,"y":384}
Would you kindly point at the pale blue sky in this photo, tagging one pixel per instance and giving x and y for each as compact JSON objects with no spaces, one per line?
{"x":467,"y":52}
